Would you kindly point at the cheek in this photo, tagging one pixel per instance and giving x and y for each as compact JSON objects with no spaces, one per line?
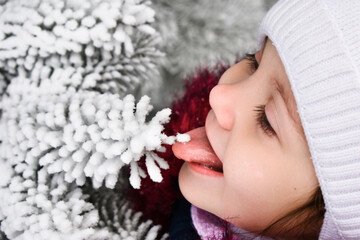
{"x":249,"y":169}
{"x":247,"y":196}
{"x":257,"y":189}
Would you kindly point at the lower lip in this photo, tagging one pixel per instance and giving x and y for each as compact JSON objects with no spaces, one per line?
{"x":203,"y":170}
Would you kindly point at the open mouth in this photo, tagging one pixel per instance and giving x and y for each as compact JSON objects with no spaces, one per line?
{"x":206,"y":170}
{"x":213,"y":168}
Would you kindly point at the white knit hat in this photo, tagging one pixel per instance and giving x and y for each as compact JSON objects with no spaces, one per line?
{"x":318,"y":42}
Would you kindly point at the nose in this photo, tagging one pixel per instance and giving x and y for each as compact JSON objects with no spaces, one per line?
{"x":222,"y":104}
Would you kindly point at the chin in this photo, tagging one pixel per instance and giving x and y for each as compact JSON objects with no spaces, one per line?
{"x":187,"y":189}
{"x":202,"y":191}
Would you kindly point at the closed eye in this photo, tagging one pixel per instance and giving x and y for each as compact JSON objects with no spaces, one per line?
{"x":263,"y":121}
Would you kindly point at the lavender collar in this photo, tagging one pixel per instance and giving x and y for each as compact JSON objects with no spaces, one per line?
{"x":209,"y":226}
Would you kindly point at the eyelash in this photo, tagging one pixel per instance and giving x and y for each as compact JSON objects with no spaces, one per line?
{"x":262,"y":120}
{"x":252,"y":61}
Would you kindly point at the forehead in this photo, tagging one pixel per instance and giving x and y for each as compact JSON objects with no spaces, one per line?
{"x":280,"y":81}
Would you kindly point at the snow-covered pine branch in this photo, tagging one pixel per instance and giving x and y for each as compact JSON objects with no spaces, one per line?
{"x":36,"y":205}
{"x":116,"y":216}
{"x":101,"y":45}
{"x":52,"y":138}
{"x":82,"y":133}
{"x":43,"y":206}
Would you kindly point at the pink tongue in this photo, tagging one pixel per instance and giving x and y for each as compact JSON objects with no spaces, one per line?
{"x":198,"y":149}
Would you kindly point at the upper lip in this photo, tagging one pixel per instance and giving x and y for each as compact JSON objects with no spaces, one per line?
{"x":208,"y":134}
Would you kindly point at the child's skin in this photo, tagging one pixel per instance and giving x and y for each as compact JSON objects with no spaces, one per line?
{"x":265,"y":176}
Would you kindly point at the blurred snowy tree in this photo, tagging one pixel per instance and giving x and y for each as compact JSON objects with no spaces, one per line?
{"x":100,"y":45}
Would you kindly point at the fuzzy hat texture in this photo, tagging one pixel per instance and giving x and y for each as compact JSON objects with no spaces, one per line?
{"x":319,"y":44}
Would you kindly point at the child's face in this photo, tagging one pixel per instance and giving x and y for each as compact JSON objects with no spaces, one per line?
{"x":266,"y":174}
